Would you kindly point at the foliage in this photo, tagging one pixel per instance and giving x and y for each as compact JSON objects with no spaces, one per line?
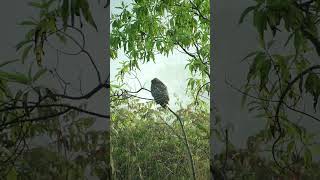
{"x":72,"y":148}
{"x":252,"y":162}
{"x":147,"y":142}
{"x":156,"y":144}
{"x":32,"y":112}
{"x":278,"y":85}
{"x":145,"y":28}
{"x":47,"y":24}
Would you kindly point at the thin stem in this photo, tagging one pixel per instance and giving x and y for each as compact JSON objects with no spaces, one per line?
{"x":187,"y":143}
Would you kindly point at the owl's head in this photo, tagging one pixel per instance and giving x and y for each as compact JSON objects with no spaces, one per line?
{"x":155,"y":80}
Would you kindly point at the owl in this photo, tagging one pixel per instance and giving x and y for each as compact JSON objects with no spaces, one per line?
{"x":159,"y":92}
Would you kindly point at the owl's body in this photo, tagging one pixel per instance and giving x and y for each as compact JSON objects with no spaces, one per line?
{"x":159,"y":92}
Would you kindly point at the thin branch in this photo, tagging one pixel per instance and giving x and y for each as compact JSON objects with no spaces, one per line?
{"x":192,"y":55}
{"x":86,"y":96}
{"x":56,"y":105}
{"x":85,"y":52}
{"x":186,"y":142}
{"x":281,"y":100}
{"x":301,"y":112}
{"x":198,"y":11}
{"x":38,"y":118}
{"x":274,"y":101}
{"x":186,"y":51}
{"x":197,"y":94}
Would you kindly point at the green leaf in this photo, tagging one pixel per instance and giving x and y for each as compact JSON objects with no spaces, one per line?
{"x":301,"y":65}
{"x":312,"y":86}
{"x":14,"y":77}
{"x":282,"y":63}
{"x":12,"y":175}
{"x":264,"y":73}
{"x":36,"y":4}
{"x":298,"y":40}
{"x":28,"y":23}
{"x":39,"y":74}
{"x":30,"y":70}
{"x":8,"y":62}
{"x":250,"y":55}
{"x":61,"y":37}
{"x":244,"y":96}
{"x":307,"y":157}
{"x":51,"y":25}
{"x":290,"y":146}
{"x":22,"y":43}
{"x":260,"y":22}
{"x":77,"y":8}
{"x":87,"y":14}
{"x":86,"y":122}
{"x":255,"y":66}
{"x":245,"y":13}
{"x":25,"y":103}
{"x":26,"y":52}
{"x":73,"y":9}
{"x":65,"y":13}
{"x":301,"y":85}
{"x":17,"y":96}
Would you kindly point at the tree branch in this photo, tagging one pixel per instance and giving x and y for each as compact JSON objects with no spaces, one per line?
{"x":186,"y":142}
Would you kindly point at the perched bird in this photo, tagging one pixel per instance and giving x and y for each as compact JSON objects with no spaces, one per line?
{"x":159,"y":92}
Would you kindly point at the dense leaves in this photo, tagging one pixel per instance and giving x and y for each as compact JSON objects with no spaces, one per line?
{"x":52,"y":14}
{"x":43,"y":135}
{"x":312,"y":86}
{"x":148,"y":143}
{"x":143,"y":29}
{"x":278,"y":84}
{"x":156,"y":143}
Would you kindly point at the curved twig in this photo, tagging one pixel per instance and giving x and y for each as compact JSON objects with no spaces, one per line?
{"x":281,"y":101}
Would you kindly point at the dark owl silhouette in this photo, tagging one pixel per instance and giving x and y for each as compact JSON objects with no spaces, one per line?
{"x":159,"y":92}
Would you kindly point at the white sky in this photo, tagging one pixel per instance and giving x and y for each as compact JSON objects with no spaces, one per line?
{"x":170,"y":70}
